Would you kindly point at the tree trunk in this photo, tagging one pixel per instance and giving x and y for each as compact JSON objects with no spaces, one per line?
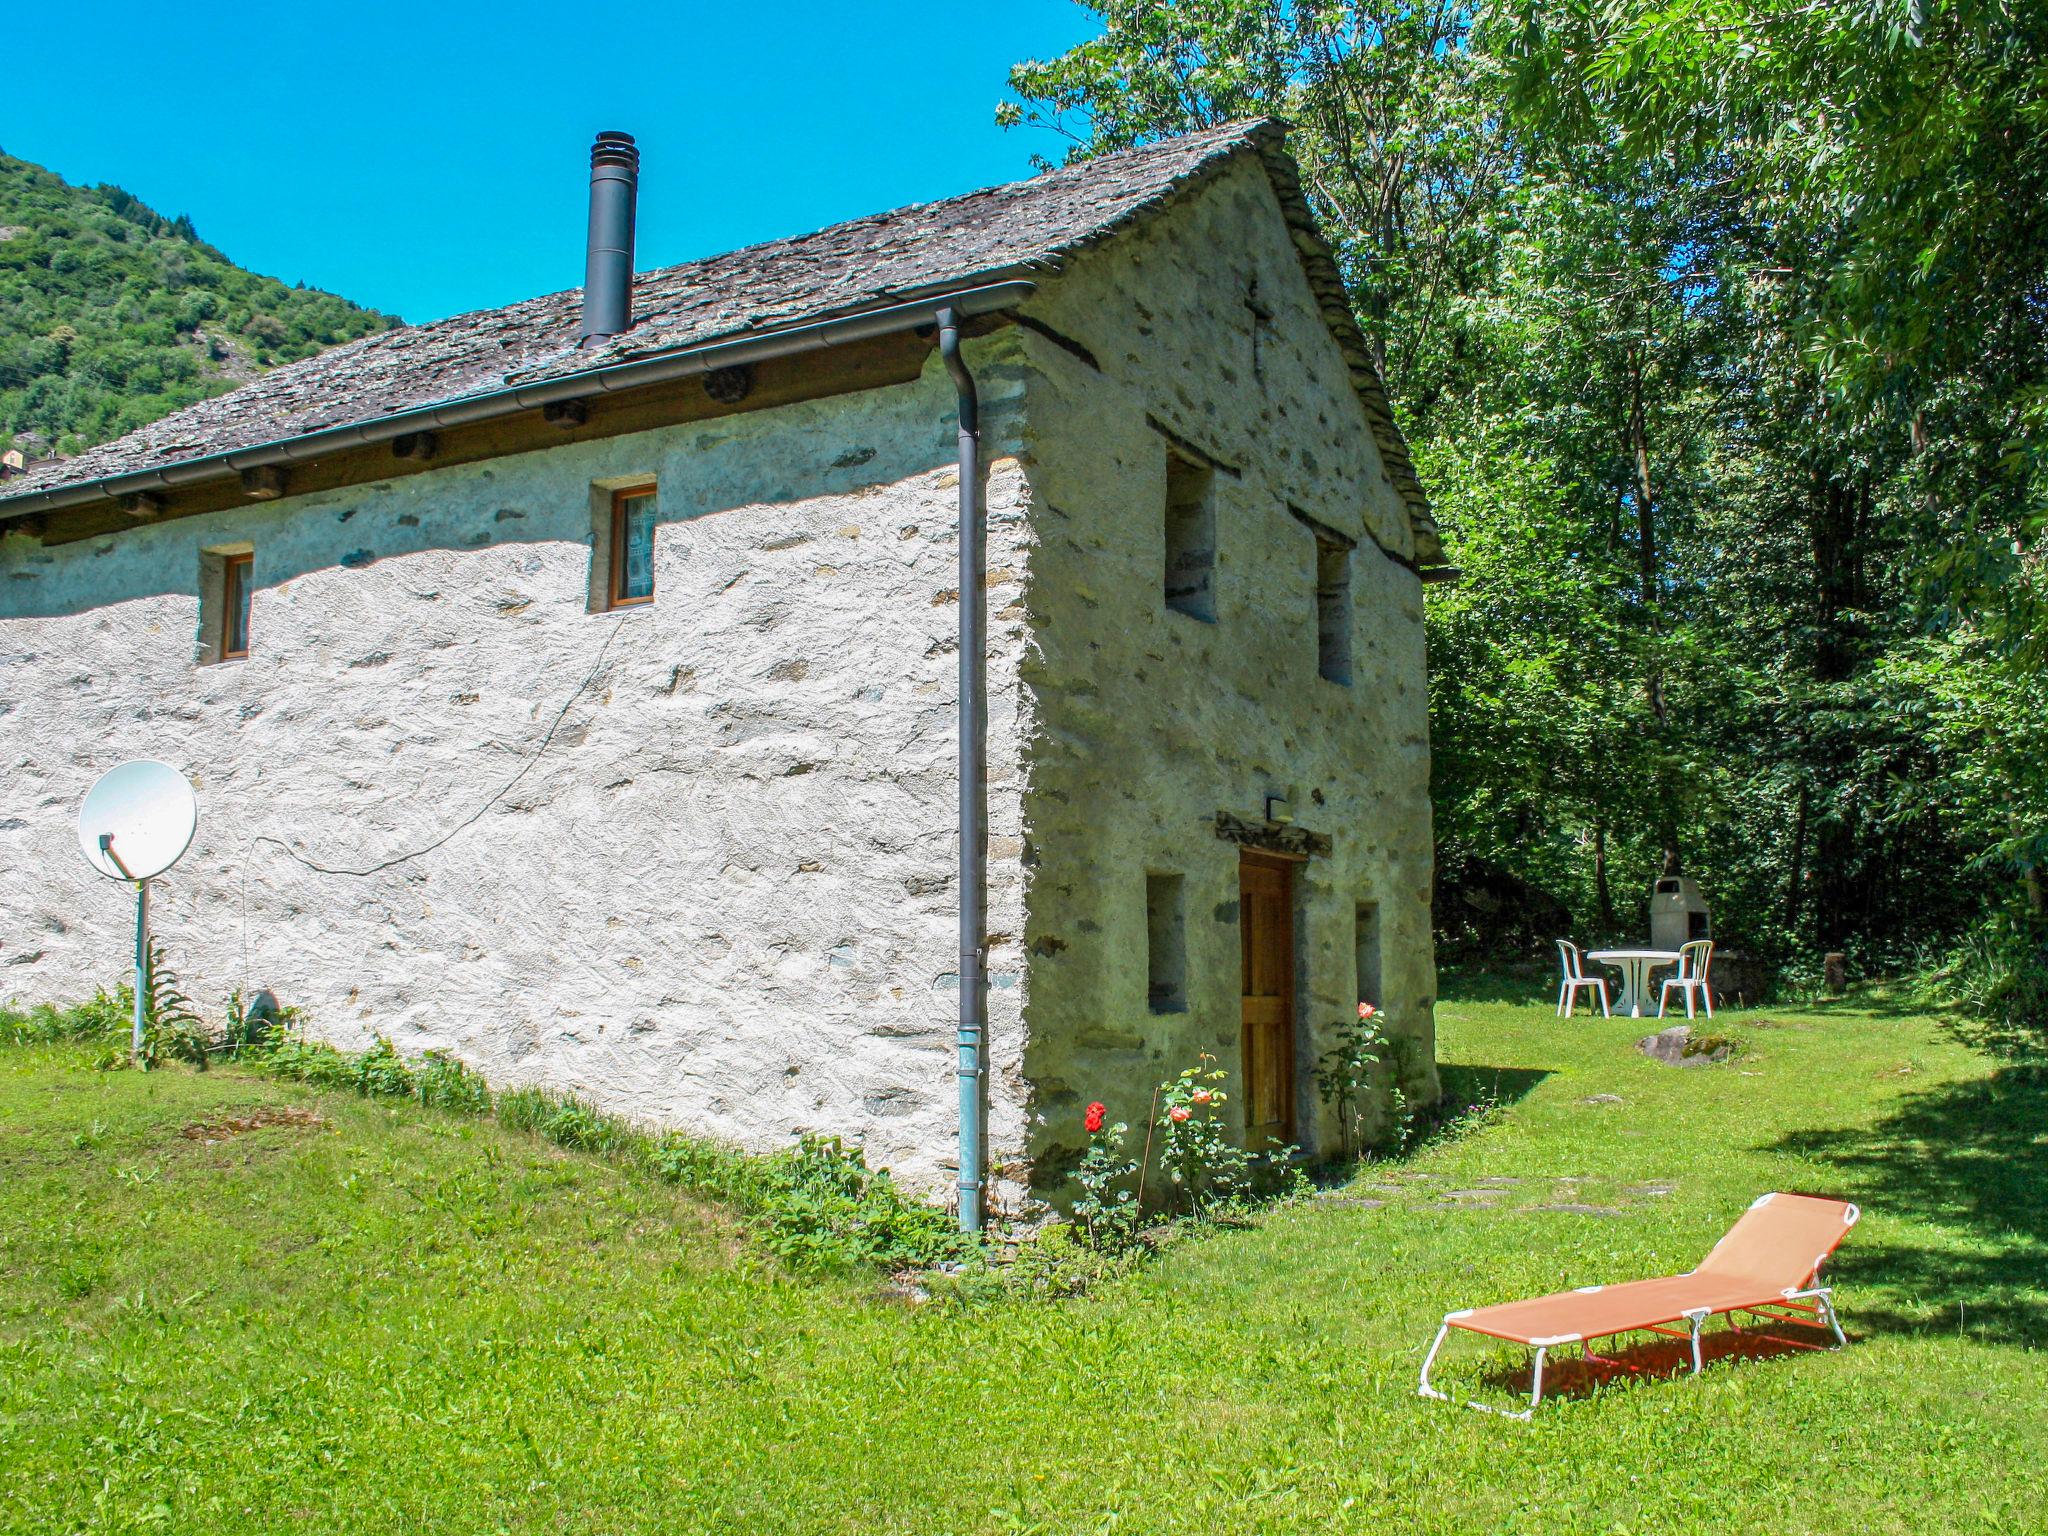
{"x":1797,"y":878}
{"x":1603,"y":893}
{"x":1646,"y":567}
{"x":2030,"y":878}
{"x":1844,"y":840}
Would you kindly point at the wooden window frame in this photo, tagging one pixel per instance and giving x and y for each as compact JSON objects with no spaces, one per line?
{"x":615,"y":578}
{"x":236,"y":590}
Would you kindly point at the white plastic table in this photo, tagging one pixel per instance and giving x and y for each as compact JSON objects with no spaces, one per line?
{"x":1635,"y":966}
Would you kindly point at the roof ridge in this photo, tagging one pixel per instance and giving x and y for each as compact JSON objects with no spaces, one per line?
{"x":898,"y":255}
{"x":864,"y":262}
{"x":1236,"y":134}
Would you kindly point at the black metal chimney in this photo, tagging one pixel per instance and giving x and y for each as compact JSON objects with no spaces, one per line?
{"x":608,"y":260}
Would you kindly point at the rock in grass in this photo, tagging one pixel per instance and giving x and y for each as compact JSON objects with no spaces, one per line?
{"x":1678,"y":1046}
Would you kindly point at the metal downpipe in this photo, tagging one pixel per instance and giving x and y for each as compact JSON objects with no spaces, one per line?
{"x":973,"y":1034}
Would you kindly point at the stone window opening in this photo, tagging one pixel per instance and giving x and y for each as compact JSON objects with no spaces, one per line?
{"x":623,"y":517}
{"x":227,"y":589}
{"x":1166,"y":943}
{"x":1190,"y":538}
{"x":1333,"y":610}
{"x":1366,"y":941}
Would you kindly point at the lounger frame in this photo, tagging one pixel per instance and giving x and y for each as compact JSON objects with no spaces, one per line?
{"x":1808,"y":1306}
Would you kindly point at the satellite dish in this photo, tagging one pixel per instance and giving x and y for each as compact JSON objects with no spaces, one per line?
{"x":138,"y":820}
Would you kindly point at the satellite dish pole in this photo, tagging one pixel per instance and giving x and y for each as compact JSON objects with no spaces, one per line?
{"x":137,"y":822}
{"x":141,"y":944}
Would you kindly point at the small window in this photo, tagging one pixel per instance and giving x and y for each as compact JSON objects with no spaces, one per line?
{"x":1333,"y":611}
{"x":632,"y":546}
{"x":1166,"y":945}
{"x":235,"y":592}
{"x":1367,"y":940}
{"x":1190,"y":538}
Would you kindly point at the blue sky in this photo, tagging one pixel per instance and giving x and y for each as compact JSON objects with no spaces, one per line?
{"x":432,"y":158}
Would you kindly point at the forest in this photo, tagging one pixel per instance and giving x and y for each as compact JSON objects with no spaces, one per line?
{"x":112,"y":315}
{"x":1718,"y":329}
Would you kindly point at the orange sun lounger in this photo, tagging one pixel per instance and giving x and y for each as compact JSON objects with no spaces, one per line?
{"x":1768,"y":1265}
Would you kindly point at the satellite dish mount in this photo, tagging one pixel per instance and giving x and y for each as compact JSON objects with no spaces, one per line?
{"x":137,"y":822}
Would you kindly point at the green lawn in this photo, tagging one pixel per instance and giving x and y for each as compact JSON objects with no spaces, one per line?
{"x":392,"y":1320}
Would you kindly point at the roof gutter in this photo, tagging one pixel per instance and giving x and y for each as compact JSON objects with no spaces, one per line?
{"x":469,"y":409}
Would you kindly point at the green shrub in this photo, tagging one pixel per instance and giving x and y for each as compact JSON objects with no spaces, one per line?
{"x":1207,"y":1172}
{"x":253,"y":1024}
{"x":824,"y":1209}
{"x":381,"y":1073}
{"x":445,"y":1083}
{"x":308,"y":1061}
{"x":45,"y":1024}
{"x":524,"y":1109}
{"x":1106,"y":1211}
{"x":570,"y":1123}
{"x":173,"y":1030}
{"x":1057,"y":1262}
{"x":2000,"y":973}
{"x":818,"y":1205}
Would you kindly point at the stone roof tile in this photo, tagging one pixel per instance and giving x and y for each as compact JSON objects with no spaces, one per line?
{"x":862,"y":264}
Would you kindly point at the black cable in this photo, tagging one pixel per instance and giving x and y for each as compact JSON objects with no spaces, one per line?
{"x":477,"y":815}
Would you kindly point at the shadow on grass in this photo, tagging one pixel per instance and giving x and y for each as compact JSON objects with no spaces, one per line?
{"x":1472,"y":1095}
{"x":1653,"y":1359}
{"x":1967,"y":1157}
{"x":1517,"y":982}
{"x":1467,"y":1087}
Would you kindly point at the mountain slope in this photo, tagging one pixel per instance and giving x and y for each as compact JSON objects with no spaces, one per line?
{"x":112,"y":315}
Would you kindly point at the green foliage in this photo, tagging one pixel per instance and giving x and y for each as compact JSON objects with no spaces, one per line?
{"x":172,"y":1029}
{"x":1106,"y":1211}
{"x":381,"y":1073}
{"x":441,"y":1082}
{"x":825,"y":1210}
{"x":308,"y":1061}
{"x":565,"y":1121}
{"x":1059,"y":1262}
{"x":102,"y":1018}
{"x":1999,"y":972}
{"x":1347,"y":1075}
{"x":112,"y":315}
{"x":1731,"y":413}
{"x":247,"y":1026}
{"x":1207,"y":1172}
{"x":818,"y":1207}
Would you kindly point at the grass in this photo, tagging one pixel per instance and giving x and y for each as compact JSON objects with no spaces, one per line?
{"x":351,"y":1314}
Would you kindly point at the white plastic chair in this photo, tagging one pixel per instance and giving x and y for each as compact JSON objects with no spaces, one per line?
{"x":1575,"y":977}
{"x":1694,"y":961}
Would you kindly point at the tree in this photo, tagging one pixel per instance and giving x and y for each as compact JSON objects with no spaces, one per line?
{"x":1626,"y":351}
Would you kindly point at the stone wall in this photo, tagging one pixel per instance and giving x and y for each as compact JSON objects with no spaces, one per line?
{"x":1203,"y":334}
{"x":693,"y":861}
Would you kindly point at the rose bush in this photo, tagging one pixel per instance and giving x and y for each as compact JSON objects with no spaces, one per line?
{"x":1106,"y":1212}
{"x":1206,"y":1170}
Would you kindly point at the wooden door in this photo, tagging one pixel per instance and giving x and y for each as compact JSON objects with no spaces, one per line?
{"x":1265,"y":920}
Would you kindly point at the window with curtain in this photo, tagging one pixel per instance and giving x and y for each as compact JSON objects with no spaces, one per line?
{"x":632,"y":546}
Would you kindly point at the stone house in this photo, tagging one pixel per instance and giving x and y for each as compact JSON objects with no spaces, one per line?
{"x":577,"y":687}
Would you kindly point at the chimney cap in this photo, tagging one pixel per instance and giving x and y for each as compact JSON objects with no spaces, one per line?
{"x":615,"y":148}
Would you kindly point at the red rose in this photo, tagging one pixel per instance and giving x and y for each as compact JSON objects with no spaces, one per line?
{"x":1094,"y":1119}
{"x":1200,"y":1095}
{"x":1366,"y":1010}
{"x":1178,"y":1113}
